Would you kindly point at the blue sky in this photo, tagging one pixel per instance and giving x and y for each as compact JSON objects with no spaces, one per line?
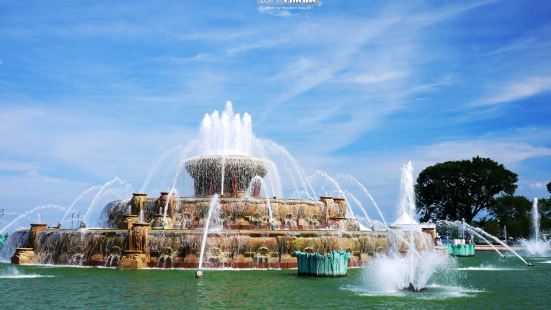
{"x":90,"y":91}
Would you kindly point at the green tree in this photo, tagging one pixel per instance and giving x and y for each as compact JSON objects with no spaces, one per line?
{"x":545,"y":210}
{"x":513,"y":212}
{"x":454,"y":190}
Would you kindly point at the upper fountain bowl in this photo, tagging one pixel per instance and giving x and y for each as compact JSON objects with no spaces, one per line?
{"x":238,"y":171}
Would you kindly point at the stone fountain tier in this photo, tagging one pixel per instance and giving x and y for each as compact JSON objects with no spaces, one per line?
{"x":235,"y":213}
{"x":180,"y":248}
{"x":206,"y":172}
{"x":141,"y":247}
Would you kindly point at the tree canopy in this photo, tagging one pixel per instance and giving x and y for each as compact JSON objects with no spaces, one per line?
{"x":514,"y":212}
{"x":545,"y":210}
{"x":454,"y":190}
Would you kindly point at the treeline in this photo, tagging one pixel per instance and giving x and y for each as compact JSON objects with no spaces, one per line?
{"x":482,"y":192}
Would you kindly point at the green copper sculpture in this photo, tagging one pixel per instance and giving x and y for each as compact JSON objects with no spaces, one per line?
{"x":3,"y":238}
{"x":461,"y":249}
{"x":333,"y":264}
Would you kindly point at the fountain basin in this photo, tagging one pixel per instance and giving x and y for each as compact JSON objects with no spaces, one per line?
{"x":461,"y":250}
{"x":234,"y":172}
{"x":333,"y":264}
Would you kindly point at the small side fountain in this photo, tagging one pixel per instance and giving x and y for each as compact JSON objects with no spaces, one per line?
{"x":536,"y":246}
{"x":459,"y":247}
{"x":411,"y":260}
{"x":480,"y":233}
{"x":214,"y":207}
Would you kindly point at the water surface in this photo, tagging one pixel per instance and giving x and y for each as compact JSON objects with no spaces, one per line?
{"x":482,"y":282}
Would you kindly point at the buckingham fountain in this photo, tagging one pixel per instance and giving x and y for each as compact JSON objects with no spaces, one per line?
{"x":235,"y":217}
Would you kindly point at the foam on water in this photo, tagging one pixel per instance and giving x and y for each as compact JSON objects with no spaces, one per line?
{"x":489,"y":268}
{"x":434,"y":291}
{"x":14,"y":273}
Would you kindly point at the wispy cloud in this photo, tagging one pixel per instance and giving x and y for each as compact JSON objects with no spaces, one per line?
{"x":517,"y":45}
{"x":517,"y":90}
{"x":508,"y":152}
{"x":539,"y":185}
{"x":371,"y":78}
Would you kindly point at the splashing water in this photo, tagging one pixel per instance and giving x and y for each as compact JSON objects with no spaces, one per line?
{"x":13,"y":272}
{"x":79,"y":197}
{"x":171,"y":193}
{"x":365,"y":217}
{"x":226,"y":133}
{"x":536,"y":246}
{"x":115,"y":187}
{"x":336,"y":187}
{"x":251,"y":192}
{"x":141,"y":217}
{"x":413,"y":269}
{"x":407,"y":197}
{"x":392,"y":273}
{"x":500,"y":242}
{"x":213,"y":215}
{"x":355,"y":181}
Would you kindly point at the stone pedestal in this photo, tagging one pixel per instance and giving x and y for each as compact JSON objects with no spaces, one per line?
{"x":157,"y":221}
{"x":23,"y":256}
{"x":330,"y":209}
{"x":134,"y":260}
{"x":128,"y":221}
{"x":137,"y":203}
{"x":341,"y":203}
{"x":34,"y":234}
{"x":162,"y":203}
{"x":137,"y":237}
{"x":137,"y":255}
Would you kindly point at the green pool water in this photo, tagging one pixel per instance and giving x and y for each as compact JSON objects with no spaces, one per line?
{"x":481,"y":282}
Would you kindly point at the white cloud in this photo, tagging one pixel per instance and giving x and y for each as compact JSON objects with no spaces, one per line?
{"x":256,"y":45}
{"x":539,"y":185}
{"x":507,"y":152}
{"x":517,"y":90}
{"x":370,"y":78}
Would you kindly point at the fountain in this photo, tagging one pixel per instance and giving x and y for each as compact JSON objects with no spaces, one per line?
{"x":411,"y":259}
{"x":485,"y":236}
{"x":536,"y":246}
{"x":234,"y":217}
{"x":462,"y":226}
